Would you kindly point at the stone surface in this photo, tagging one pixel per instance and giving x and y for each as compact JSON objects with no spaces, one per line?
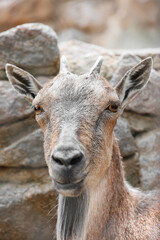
{"x":144,"y":103}
{"x":10,"y":133}
{"x":23,"y":175}
{"x":149,"y":159}
{"x":139,"y":123}
{"x":122,"y":65}
{"x":32,"y":47}
{"x":25,"y":152}
{"x":13,"y":107}
{"x":27,"y":211}
{"x":148,"y":101}
{"x":125,"y":139}
{"x":132,"y":170}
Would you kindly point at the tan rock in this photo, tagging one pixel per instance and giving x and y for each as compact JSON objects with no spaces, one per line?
{"x":23,"y":175}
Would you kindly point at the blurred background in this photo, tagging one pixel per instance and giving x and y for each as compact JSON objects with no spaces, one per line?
{"x":109,"y":23}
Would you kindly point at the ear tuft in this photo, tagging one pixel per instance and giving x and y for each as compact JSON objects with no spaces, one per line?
{"x":134,"y":81}
{"x":23,"y":81}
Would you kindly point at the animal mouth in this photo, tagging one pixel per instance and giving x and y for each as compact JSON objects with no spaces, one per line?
{"x":69,"y":186}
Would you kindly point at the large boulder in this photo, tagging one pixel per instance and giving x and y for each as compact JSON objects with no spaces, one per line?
{"x":32,"y":46}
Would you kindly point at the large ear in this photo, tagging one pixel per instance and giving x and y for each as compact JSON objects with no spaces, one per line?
{"x":23,"y":82}
{"x":134,"y":81}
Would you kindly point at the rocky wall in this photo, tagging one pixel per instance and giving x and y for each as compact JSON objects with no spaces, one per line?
{"x":27,"y":200}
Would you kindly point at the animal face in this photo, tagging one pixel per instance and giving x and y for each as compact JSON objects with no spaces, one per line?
{"x":77,"y":115}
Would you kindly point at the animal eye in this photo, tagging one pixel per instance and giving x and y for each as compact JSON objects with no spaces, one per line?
{"x":112,"y":108}
{"x":37,"y":109}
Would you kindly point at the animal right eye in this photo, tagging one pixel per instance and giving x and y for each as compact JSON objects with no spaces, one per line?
{"x":38,"y":109}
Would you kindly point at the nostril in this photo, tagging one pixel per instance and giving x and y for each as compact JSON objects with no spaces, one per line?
{"x":58,"y":161}
{"x":76,"y":159}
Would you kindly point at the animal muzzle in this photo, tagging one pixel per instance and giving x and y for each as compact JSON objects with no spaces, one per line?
{"x":67,"y":167}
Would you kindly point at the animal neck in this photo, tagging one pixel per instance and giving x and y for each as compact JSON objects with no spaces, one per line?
{"x":109,"y":201}
{"x":88,"y":216}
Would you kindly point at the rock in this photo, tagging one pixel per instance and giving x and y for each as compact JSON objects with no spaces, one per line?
{"x":146,"y":103}
{"x":23,"y":175}
{"x":122,"y":65}
{"x":154,"y":53}
{"x":139,"y":123}
{"x":132,"y":170}
{"x":31,"y":46}
{"x":27,"y":151}
{"x":125,"y":139}
{"x":149,"y":159}
{"x":13,"y":107}
{"x":27,"y":211}
{"x":10,"y":133}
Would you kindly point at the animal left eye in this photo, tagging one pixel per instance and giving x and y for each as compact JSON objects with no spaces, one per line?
{"x":37,"y":109}
{"x":112,"y":108}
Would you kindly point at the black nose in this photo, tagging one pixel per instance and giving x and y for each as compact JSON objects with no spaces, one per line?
{"x":67,"y":157}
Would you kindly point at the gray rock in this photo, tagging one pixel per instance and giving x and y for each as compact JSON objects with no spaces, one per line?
{"x":140,"y":123}
{"x":10,"y":133}
{"x":144,"y":103}
{"x":125,"y":139}
{"x":27,"y":211}
{"x":148,"y":101}
{"x":149,"y":159}
{"x":132,"y":170}
{"x":31,"y":46}
{"x":13,"y":107}
{"x":122,"y":65}
{"x":26,"y":152}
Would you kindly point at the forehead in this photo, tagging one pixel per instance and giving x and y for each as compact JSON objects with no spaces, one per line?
{"x":70,"y":88}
